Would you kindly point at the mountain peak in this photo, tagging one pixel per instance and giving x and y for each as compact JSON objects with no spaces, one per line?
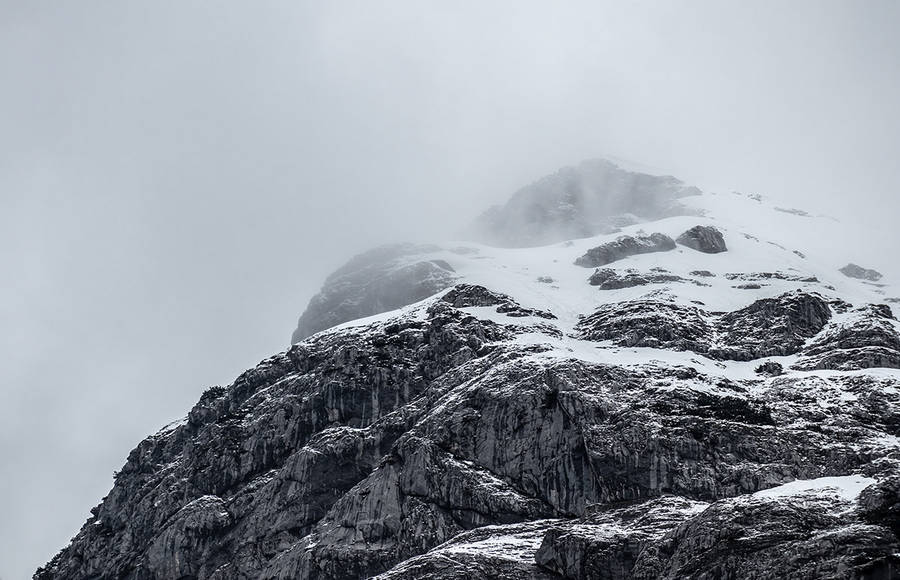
{"x":701,"y":393}
{"x":594,"y":197}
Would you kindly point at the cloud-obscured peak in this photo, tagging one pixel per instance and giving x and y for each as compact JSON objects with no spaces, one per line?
{"x":595,"y":196}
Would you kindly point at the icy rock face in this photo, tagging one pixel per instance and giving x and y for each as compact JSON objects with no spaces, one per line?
{"x":360,"y":450}
{"x":624,"y":247}
{"x":596,"y":196}
{"x":516,"y":422}
{"x":769,"y":327}
{"x":867,"y":337}
{"x":880,"y":503}
{"x":374,"y":282}
{"x":855,"y":271}
{"x":706,"y":239}
{"x":771,"y":538}
{"x":608,"y":542}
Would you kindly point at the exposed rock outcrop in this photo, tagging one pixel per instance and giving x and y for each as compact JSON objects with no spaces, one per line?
{"x":649,"y":323}
{"x":609,"y":279}
{"x":623,"y":247}
{"x":609,"y":542}
{"x":706,"y":239}
{"x":771,"y":327}
{"x":866,"y":337}
{"x":377,"y":281}
{"x":766,"y":537}
{"x":768,"y":276}
{"x":468,"y":295}
{"x":855,"y":271}
{"x":880,"y":503}
{"x":768,"y":327}
{"x":770,"y":368}
{"x":504,"y":552}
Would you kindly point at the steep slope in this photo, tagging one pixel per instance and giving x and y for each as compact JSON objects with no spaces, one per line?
{"x":733,"y":414}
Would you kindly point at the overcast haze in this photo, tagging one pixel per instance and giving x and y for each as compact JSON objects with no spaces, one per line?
{"x":177,"y":178}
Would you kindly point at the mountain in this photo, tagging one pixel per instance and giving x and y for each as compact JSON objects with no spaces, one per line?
{"x":700,"y":394}
{"x":596,"y":196}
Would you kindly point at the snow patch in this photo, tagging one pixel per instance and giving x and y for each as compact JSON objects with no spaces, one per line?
{"x":847,"y":487}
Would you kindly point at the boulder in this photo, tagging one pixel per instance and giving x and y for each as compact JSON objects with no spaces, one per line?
{"x":853,"y":271}
{"x":706,"y":239}
{"x":624,"y":247}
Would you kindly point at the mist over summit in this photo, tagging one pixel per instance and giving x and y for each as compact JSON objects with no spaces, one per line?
{"x":594,"y":197}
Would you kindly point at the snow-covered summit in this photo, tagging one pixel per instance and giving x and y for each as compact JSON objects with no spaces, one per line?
{"x":769,"y":253}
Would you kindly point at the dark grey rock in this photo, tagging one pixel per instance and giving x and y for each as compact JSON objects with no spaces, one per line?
{"x":706,"y":239}
{"x":607,"y":542}
{"x":504,"y":552}
{"x":649,"y":323}
{"x":814,"y":536}
{"x":766,"y":276}
{"x":869,"y":340}
{"x":769,"y":327}
{"x":624,"y":247}
{"x":595,"y":197}
{"x":770,"y":368}
{"x":608,"y":279}
{"x":854,"y":271}
{"x":880,"y":503}
{"x":703,"y":273}
{"x":410,"y":447}
{"x":257,"y":465}
{"x":468,"y":295}
{"x":377,"y":281}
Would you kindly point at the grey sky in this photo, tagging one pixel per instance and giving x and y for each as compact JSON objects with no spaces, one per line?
{"x":176,"y":178}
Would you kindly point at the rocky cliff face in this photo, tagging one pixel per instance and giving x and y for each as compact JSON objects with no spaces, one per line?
{"x":524,"y":417}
